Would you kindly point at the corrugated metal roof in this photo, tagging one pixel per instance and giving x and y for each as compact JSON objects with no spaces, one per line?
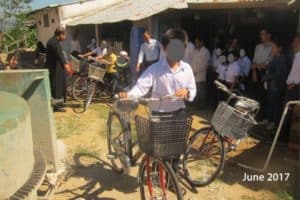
{"x":129,"y":10}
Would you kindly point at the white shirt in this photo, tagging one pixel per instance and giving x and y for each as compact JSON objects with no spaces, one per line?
{"x":75,"y":46}
{"x":189,"y":53}
{"x":232,"y":72}
{"x":262,"y":53}
{"x":294,"y":75}
{"x":221,"y":70}
{"x":200,"y":60}
{"x":245,"y":66}
{"x":151,"y":51}
{"x":99,"y":51}
{"x":164,"y":82}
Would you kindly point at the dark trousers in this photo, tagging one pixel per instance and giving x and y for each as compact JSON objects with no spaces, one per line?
{"x":145,"y":65}
{"x":201,"y":96}
{"x":293,"y":94}
{"x":273,"y":105}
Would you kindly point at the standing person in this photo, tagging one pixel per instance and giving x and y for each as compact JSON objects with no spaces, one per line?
{"x":262,"y":56}
{"x":275,"y":78}
{"x":188,"y":54}
{"x":293,"y":89}
{"x":149,"y":53}
{"x":169,"y":76}
{"x":200,"y":59}
{"x":75,"y":46}
{"x":58,"y":65}
{"x":245,"y":67}
{"x":92,"y":45}
{"x":233,"y":70}
{"x":98,"y":52}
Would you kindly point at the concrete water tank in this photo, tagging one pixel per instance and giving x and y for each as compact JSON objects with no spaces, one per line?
{"x":16,"y":147}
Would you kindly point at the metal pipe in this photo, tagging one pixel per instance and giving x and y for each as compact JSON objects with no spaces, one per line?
{"x":288,"y":104}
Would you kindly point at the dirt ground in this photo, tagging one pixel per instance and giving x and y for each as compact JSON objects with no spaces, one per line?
{"x":93,"y":178}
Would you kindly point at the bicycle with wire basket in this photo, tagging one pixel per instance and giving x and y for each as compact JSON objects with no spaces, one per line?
{"x":94,"y":83}
{"x":205,"y":153}
{"x":160,"y":138}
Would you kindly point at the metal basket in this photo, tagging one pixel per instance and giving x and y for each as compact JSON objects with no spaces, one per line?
{"x":162,"y":137}
{"x":75,"y":64}
{"x":231,"y":123}
{"x":96,"y":72}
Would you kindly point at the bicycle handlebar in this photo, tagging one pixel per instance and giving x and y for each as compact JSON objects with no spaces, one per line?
{"x":151,"y":99}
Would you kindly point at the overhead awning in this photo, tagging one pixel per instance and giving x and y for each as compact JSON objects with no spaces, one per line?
{"x":129,"y":10}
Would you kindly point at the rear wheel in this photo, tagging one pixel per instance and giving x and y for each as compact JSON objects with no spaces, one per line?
{"x":157,"y":180}
{"x":118,"y":145}
{"x":204,"y":157}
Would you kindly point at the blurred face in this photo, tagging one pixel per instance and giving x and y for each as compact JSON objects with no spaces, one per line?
{"x":62,"y":36}
{"x":103,"y":44}
{"x":198,"y":43}
{"x":235,"y":43}
{"x":264,"y":36}
{"x":296,"y":44}
{"x":276,"y":50}
{"x":146,"y":37}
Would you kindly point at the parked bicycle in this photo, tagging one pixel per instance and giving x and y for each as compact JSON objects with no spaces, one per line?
{"x":205,"y":153}
{"x":95,"y":83}
{"x":159,"y":137}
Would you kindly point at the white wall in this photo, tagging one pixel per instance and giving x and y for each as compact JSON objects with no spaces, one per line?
{"x":45,"y":33}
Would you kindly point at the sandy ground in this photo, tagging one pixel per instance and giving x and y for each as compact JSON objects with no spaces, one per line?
{"x":93,"y":178}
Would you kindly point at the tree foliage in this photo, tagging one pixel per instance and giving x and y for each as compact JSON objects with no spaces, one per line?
{"x":14,"y":14}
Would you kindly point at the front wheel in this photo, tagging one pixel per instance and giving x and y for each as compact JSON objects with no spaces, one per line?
{"x":119,"y":147}
{"x":204,"y":157}
{"x":157,"y":180}
{"x":80,"y":88}
{"x":90,"y":94}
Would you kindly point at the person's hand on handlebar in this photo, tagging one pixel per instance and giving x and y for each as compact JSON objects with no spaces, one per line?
{"x":123,"y":95}
{"x":182,"y":93}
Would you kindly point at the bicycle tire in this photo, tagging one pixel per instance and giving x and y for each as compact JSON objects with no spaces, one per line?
{"x":170,"y":178}
{"x":117,"y":162}
{"x":201,"y":166}
{"x":79,"y":87}
{"x":90,"y":94}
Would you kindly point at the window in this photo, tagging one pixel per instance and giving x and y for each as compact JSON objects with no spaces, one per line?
{"x":46,"y":20}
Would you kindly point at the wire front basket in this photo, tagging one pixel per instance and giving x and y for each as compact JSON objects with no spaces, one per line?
{"x":230,"y":122}
{"x":96,"y":72}
{"x":162,"y":137}
{"x":75,"y":64}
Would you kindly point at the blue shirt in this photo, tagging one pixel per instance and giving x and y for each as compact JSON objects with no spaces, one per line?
{"x":164,"y":82}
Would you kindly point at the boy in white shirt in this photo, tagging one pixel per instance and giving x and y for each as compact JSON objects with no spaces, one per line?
{"x":233,"y":70}
{"x":245,"y":67}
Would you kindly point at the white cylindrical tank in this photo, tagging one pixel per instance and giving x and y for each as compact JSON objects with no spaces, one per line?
{"x":16,"y":148}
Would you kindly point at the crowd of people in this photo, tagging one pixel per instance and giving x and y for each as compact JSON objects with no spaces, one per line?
{"x":272,"y":77}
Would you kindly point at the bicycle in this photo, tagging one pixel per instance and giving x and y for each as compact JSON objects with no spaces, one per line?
{"x":205,"y":153}
{"x":159,"y":137}
{"x":79,"y":86}
{"x":95,"y":83}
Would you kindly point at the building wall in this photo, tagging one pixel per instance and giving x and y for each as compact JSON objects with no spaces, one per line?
{"x":46,"y":32}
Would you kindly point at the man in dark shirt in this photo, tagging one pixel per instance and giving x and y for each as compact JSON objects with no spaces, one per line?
{"x":58,"y":64}
{"x":276,"y":74}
